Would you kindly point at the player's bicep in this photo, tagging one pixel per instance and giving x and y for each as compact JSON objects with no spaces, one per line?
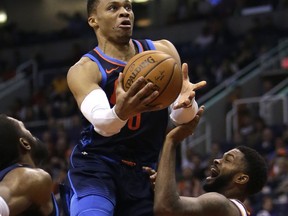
{"x":42,"y":187}
{"x":82,"y":79}
{"x":167,"y":47}
{"x":210,"y":204}
{"x":16,"y":200}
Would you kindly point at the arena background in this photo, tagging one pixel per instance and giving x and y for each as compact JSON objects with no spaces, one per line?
{"x":239,"y":47}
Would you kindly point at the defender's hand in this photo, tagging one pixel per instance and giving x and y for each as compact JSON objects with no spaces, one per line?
{"x":188,"y":90}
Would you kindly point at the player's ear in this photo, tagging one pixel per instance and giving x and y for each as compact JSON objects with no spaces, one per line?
{"x":241,"y":178}
{"x":25,"y":144}
{"x":93,"y":22}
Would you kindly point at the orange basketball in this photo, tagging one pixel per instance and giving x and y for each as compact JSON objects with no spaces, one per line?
{"x":159,"y":68}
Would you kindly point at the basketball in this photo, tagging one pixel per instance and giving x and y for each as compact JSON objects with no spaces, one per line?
{"x":159,"y":68}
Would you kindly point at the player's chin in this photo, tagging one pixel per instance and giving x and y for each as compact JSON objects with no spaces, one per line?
{"x":124,"y":36}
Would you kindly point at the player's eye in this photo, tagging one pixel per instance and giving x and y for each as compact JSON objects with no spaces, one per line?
{"x":228,"y":159}
{"x":112,"y":8}
{"x":128,"y":7}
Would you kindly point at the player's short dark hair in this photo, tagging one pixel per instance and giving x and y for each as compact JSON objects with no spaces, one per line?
{"x":256,"y":168}
{"x":91,"y":5}
{"x":10,"y":133}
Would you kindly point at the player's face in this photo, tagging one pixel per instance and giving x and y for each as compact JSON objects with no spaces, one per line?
{"x":223,"y":171}
{"x":115,"y":19}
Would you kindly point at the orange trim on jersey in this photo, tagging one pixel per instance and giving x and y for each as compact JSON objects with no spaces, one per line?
{"x":129,"y":163}
{"x":112,"y":62}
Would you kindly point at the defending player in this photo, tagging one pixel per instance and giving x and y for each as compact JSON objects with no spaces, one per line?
{"x":240,"y":173}
{"x":24,"y":188}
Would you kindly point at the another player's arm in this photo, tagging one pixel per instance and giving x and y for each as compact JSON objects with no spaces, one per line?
{"x":26,"y":187}
{"x":210,"y":204}
{"x":167,"y":200}
{"x":186,"y":99}
{"x":42,"y":193}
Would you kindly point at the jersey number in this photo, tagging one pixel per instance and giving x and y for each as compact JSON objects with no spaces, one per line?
{"x":134,"y":122}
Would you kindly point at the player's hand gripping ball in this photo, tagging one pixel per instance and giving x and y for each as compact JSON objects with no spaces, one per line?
{"x":159,"y":68}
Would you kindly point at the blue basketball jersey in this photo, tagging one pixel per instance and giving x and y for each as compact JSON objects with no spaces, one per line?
{"x":143,"y":135}
{"x":4,"y":172}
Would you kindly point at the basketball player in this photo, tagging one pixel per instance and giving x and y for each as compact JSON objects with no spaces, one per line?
{"x":240,"y":173}
{"x":122,"y":134}
{"x":24,"y":189}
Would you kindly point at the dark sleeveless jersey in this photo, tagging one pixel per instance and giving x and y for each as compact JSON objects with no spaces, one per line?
{"x":143,"y":135}
{"x":30,"y":211}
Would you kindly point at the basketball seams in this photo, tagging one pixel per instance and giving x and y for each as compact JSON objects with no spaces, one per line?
{"x":145,"y":57}
{"x":158,"y":63}
{"x":159,"y":68}
{"x":141,"y":56}
{"x":167,"y":83}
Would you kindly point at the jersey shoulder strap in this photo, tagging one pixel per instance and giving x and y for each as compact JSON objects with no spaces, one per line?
{"x":243,"y":211}
{"x":143,"y":45}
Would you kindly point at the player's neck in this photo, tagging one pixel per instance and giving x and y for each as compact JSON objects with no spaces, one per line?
{"x":232,"y":194}
{"x":26,"y":159}
{"x":123,"y":52}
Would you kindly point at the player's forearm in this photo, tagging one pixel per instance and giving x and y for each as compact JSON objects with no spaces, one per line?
{"x":96,"y":109}
{"x":184,"y":115}
{"x":166,"y":195}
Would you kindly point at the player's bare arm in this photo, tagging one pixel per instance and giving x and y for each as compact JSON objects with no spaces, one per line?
{"x":27,"y":188}
{"x":82,"y":78}
{"x":188,"y":88}
{"x":166,"y":196}
{"x":209,"y":204}
{"x":128,"y":103}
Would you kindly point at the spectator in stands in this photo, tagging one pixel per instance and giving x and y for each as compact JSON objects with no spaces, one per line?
{"x":204,"y":39}
{"x":267,"y":207}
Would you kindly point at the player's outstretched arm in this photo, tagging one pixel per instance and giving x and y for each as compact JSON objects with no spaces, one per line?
{"x":185,"y":107}
{"x":187,"y":93}
{"x":167,"y":200}
{"x":166,"y":194}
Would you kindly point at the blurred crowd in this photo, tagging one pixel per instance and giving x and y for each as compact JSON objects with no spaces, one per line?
{"x":215,"y":55}
{"x":192,"y":10}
